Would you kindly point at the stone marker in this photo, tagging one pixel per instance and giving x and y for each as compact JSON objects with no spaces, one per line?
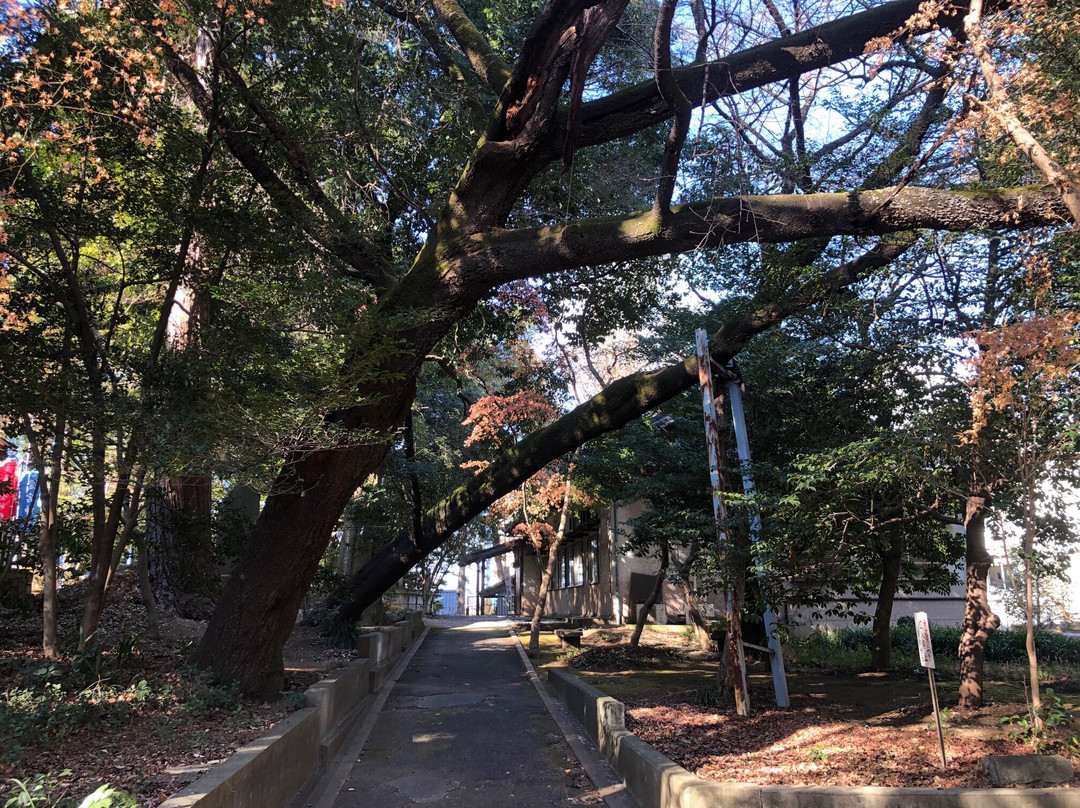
{"x":1034,"y":770}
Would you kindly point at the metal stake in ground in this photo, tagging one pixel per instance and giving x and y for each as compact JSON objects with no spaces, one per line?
{"x":742,"y":442}
{"x":926,"y":659}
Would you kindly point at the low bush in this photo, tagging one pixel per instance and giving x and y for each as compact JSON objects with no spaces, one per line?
{"x":848,"y":645}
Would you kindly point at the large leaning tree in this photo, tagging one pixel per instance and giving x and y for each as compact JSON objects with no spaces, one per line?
{"x":530,"y":109}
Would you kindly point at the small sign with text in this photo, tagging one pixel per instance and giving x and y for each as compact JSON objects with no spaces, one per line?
{"x":922,"y":634}
{"x":926,"y":659}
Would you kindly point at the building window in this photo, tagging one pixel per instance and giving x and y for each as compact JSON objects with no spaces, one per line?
{"x":594,"y":558}
{"x":572,"y":563}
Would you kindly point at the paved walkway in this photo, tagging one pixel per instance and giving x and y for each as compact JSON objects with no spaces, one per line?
{"x":464,"y":726}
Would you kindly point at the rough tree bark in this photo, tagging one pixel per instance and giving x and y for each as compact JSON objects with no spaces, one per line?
{"x":183,"y":572}
{"x":979,"y":622}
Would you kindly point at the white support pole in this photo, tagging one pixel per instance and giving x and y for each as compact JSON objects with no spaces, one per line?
{"x":742,"y":441}
{"x":712,"y":440}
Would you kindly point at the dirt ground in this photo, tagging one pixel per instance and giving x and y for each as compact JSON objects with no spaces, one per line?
{"x":848,"y":729}
{"x":134,"y":716}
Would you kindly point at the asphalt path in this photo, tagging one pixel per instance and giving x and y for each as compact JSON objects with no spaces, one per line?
{"x":464,"y":726}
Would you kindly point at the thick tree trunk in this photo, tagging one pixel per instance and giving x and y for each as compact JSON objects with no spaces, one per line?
{"x":654,"y":596}
{"x":258,"y":607}
{"x":979,"y":622}
{"x":619,"y":403}
{"x":881,"y":649}
{"x":183,"y":571}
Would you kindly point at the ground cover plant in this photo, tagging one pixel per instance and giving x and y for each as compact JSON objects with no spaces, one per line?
{"x":846,"y":725}
{"x":128,"y":713}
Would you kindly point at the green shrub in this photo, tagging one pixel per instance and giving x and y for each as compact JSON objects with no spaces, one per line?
{"x":207,"y":697}
{"x":829,"y":647}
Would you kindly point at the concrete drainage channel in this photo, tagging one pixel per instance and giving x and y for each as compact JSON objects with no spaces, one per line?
{"x":656,"y":781}
{"x":283,"y":765}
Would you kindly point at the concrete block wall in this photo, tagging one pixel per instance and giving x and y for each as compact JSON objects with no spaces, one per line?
{"x":656,"y":781}
{"x":271,"y":771}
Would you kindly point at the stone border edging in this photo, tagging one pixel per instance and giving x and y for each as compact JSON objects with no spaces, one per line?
{"x":608,"y":785}
{"x":282,"y":764}
{"x":656,"y":781}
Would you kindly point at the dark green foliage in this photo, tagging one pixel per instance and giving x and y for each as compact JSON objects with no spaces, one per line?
{"x":207,"y":696}
{"x":50,"y":703}
{"x":338,"y":633}
{"x":1006,"y":645}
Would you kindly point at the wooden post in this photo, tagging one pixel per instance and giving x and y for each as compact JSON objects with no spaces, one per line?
{"x":716,"y":452}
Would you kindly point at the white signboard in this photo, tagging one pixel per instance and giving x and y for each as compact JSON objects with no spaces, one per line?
{"x":922,"y":634}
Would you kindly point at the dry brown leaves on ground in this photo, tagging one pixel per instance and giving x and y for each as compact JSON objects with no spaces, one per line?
{"x":818,"y":745}
{"x":129,"y":713}
{"x":841,"y":730}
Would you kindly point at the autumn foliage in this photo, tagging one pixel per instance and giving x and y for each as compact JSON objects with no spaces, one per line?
{"x":1021,"y":363}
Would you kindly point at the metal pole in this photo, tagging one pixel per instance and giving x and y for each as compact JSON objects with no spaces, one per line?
{"x":712,"y":440}
{"x":937,"y":716}
{"x":742,"y":441}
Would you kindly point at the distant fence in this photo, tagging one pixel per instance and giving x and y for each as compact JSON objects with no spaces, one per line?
{"x":449,"y":602}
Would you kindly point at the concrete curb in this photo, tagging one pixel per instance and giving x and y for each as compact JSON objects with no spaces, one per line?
{"x":284,"y":763}
{"x":608,"y":786}
{"x":656,"y":781}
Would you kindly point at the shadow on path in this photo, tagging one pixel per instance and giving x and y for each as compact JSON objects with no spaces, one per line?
{"x":464,"y":726}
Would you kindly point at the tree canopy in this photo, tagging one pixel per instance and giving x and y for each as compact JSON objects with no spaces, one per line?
{"x":369,"y":186}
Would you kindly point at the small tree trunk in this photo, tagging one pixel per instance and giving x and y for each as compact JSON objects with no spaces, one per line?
{"x":1029,"y":602}
{"x":131,"y":518}
{"x":654,"y":596}
{"x":101,"y":547}
{"x":881,"y":650}
{"x":153,"y":620}
{"x":697,"y":619}
{"x":549,"y":568}
{"x":979,"y":622}
{"x":730,"y":676}
{"x":108,"y":513}
{"x":538,"y":610}
{"x":48,"y":525}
